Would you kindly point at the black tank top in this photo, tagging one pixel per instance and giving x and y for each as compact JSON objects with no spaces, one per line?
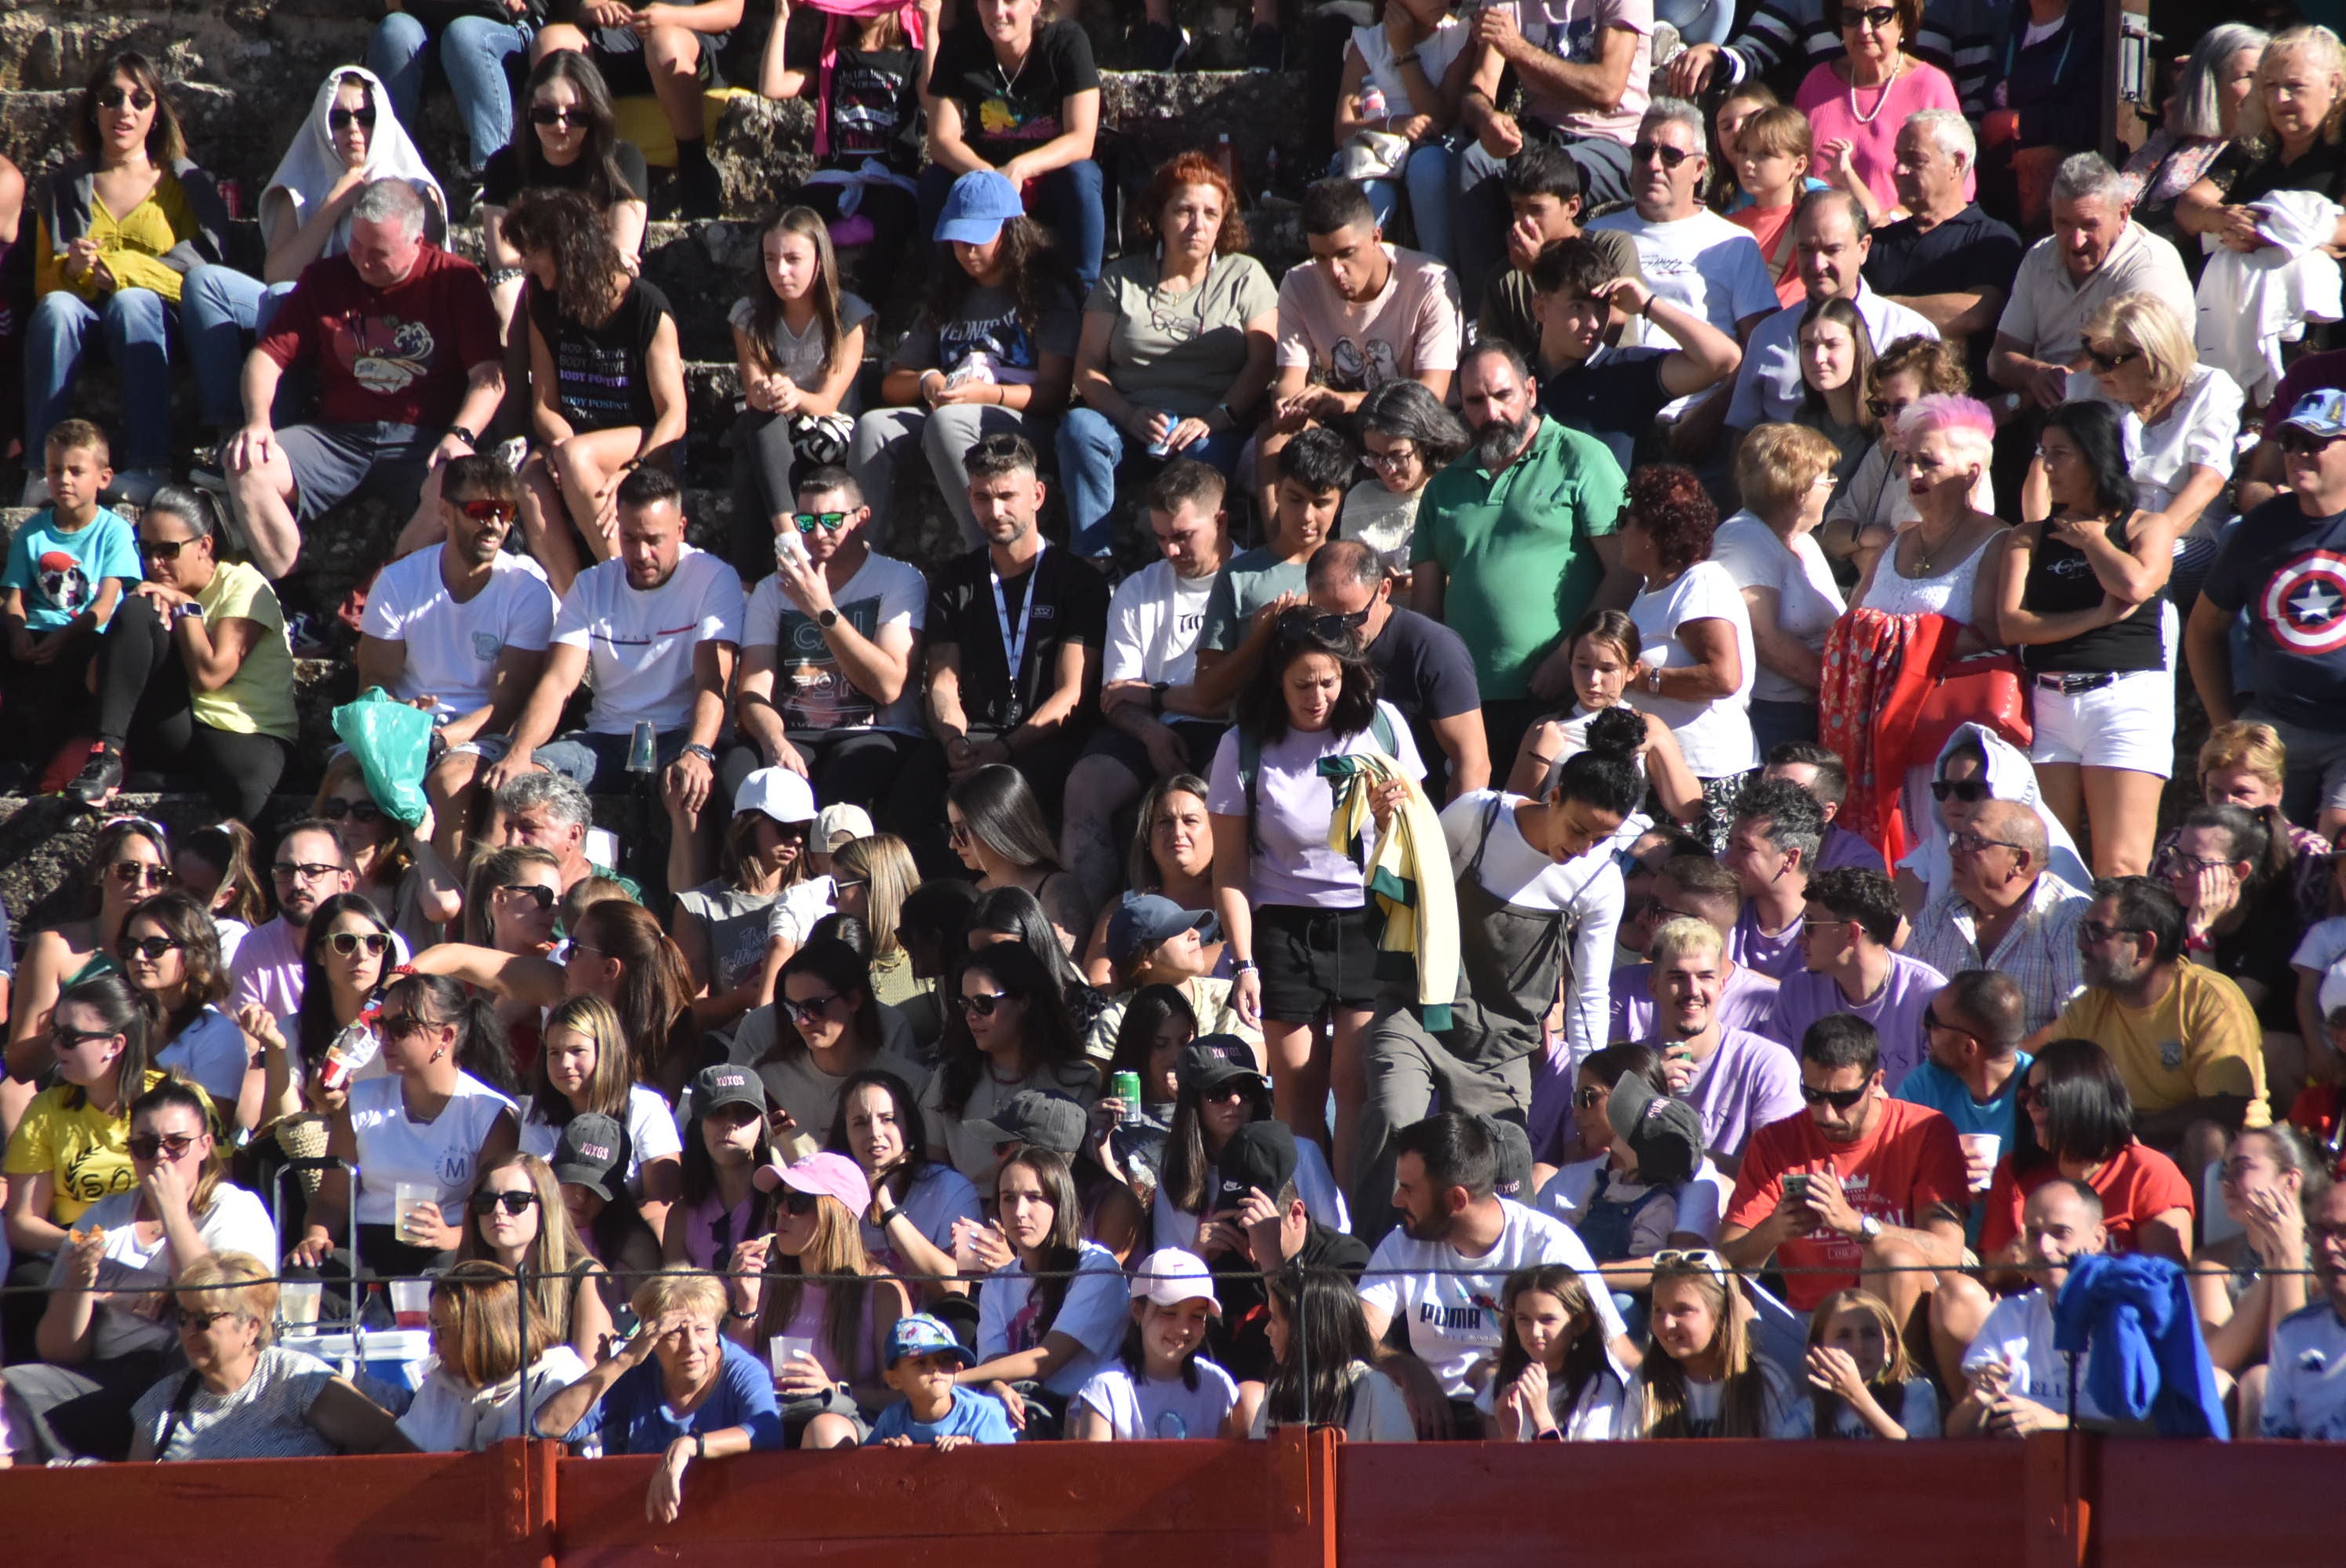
{"x":2060,"y":581}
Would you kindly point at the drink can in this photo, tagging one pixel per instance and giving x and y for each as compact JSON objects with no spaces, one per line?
{"x":643,"y":751}
{"x":1163,"y":446}
{"x":1125,"y":1086}
{"x":1373,"y":102}
{"x":231,"y":195}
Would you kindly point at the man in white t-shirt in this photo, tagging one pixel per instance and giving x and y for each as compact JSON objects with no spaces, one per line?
{"x":463,"y":626}
{"x":654,"y":631}
{"x":2305,"y":1398}
{"x":830,"y":649}
{"x":1442,"y":1267}
{"x":1156,"y":727}
{"x":2019,"y":1382}
{"x":1689,"y":255}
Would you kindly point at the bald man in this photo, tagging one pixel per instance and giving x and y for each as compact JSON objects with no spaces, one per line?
{"x":2002,"y":910}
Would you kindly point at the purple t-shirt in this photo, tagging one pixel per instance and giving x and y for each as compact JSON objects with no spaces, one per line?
{"x":1745,"y":1003}
{"x":1773,"y":956}
{"x":1895,"y":1011}
{"x":1843,"y":849}
{"x":1293,"y":810}
{"x":1748,"y":1082}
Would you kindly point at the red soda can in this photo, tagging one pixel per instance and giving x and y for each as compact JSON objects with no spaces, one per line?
{"x":231,"y":195}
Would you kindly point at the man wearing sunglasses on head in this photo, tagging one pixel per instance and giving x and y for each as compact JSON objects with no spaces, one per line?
{"x":1422,"y":667}
{"x":460,"y":629}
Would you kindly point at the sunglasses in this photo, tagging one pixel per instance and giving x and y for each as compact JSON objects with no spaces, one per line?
{"x":556,"y":115}
{"x":1970,"y":791}
{"x":2037,"y":1094}
{"x":1876,"y":16}
{"x":1296,"y":625}
{"x":202,"y":1322}
{"x":1590,"y":1099}
{"x":343,"y":119}
{"x":983,"y":1005}
{"x":2097,"y":932}
{"x":163,"y":549}
{"x":1236,"y":1089}
{"x":800,"y":1202}
{"x":1701,"y":1257}
{"x":538,"y":893}
{"x":149,"y":947}
{"x":1655,"y":152}
{"x":308,"y":872}
{"x":139,"y":98}
{"x":338,"y":810}
{"x":147,"y":1148}
{"x":807,"y":1012}
{"x":346,"y":943}
{"x":1883,"y":407}
{"x":1969,"y":843}
{"x":2293,"y":439}
{"x":63,"y":1039}
{"x":398,"y":1026}
{"x":832,"y":522}
{"x":518,"y":1202}
{"x":958,"y":832}
{"x":139,"y":873}
{"x":1839,"y":1099}
{"x":483,"y":510}
{"x":1930,"y":1020}
{"x":2107,"y":359}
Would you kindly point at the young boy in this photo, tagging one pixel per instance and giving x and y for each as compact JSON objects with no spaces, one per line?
{"x":923,"y":1356}
{"x":67,"y":569}
{"x":1587,"y":381}
{"x":1315,"y":469}
{"x":1776,"y":148}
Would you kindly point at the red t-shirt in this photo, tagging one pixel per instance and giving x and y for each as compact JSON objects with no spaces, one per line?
{"x":1908,"y":1163}
{"x":2139,"y":1183}
{"x":392,"y":356}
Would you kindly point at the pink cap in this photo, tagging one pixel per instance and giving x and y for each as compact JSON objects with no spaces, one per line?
{"x":827,"y":1174}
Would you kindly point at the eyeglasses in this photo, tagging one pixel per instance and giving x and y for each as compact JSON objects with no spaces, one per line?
{"x":139,"y":98}
{"x":147,"y":1148}
{"x":202,"y":1322}
{"x":341,"y":119}
{"x":139,"y":873}
{"x":832,"y":522}
{"x":1874,"y":17}
{"x":2108,"y":360}
{"x":1970,"y":791}
{"x":1700,"y":1258}
{"x":149,"y":947}
{"x":304,"y":871}
{"x":346,"y":943}
{"x":808,"y":1011}
{"x":983,"y":1004}
{"x":2168,"y":862}
{"x":483,"y":510}
{"x":2294,"y":439}
{"x":62,"y":1038}
{"x":557,"y":115}
{"x":163,"y":549}
{"x":2097,"y":932}
{"x":959,"y":834}
{"x":1296,"y":625}
{"x":1236,"y":1089}
{"x":843,"y":883}
{"x":800,"y":1202}
{"x":1812,"y":924}
{"x":1970,"y":843}
{"x":1590,"y":1099}
{"x":338,"y":810}
{"x":538,"y":893}
{"x":1655,"y":152}
{"x":1839,"y":1099}
{"x":1391,"y":462}
{"x":515,"y":1202}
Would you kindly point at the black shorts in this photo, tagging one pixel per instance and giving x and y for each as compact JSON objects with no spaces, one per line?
{"x":620,"y":55}
{"x":1316,"y":958}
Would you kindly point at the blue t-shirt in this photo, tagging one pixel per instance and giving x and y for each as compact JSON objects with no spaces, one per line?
{"x":636,"y":1419}
{"x":974,"y":1415}
{"x":59,"y":573}
{"x":2289,"y":571}
{"x":1933,"y":1085}
{"x":1615,"y":395}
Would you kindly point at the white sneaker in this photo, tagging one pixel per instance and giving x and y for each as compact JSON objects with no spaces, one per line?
{"x":514,"y":452}
{"x":36,"y":492}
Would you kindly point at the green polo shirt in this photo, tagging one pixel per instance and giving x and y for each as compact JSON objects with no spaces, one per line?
{"x":1517,"y":550}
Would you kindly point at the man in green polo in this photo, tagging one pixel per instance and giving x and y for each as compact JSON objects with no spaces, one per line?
{"x":1515,"y":543}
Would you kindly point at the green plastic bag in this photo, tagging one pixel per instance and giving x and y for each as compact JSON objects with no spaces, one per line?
{"x":393,"y":742}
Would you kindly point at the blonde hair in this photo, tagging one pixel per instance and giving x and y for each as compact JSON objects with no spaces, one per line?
{"x":1779,"y":128}
{"x":234,"y":1282}
{"x":2244,"y":744}
{"x":836,"y":1251}
{"x":610,"y":1086}
{"x":484,"y":1343}
{"x":2321,"y":49}
{"x":1779,"y":462}
{"x":885,"y":865}
{"x":1679,"y":937}
{"x":693,"y":1290}
{"x":2148,"y":325}
{"x":553,"y":1258}
{"x":1743,"y":1381}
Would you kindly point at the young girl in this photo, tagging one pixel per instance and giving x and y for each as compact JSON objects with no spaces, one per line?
{"x":724,"y":1146}
{"x":1161,"y":1386}
{"x":517,"y":1220}
{"x":798,"y":340}
{"x":1049,"y":1316}
{"x":1836,"y":353}
{"x":1772,"y":166}
{"x":1858,"y":1374}
{"x":1325,"y":1377}
{"x":582,"y":1070}
{"x":489,"y":1363}
{"x":1607,"y":657}
{"x":1553,"y":1381}
{"x":1155,"y":1025}
{"x":1701,"y":1376}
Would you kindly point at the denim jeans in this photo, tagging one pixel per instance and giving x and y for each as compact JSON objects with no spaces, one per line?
{"x":221,"y":311}
{"x":1091,"y":448}
{"x":1067,"y":201}
{"x":474,"y":52}
{"x":1428,"y":175}
{"x":136,"y":325}
{"x":1698,"y":21}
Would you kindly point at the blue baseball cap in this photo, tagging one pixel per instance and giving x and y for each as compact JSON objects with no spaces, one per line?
{"x":2322,"y":414}
{"x":979,"y":204}
{"x":920,"y":1334}
{"x":1144,"y":919}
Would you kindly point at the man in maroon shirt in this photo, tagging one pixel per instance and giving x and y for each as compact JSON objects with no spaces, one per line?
{"x":403,"y":341}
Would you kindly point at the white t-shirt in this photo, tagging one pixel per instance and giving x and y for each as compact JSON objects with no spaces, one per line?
{"x":2201,"y":430}
{"x":1153,"y":620}
{"x":1450,"y":1301}
{"x":800,"y":907}
{"x":132,"y":1274}
{"x":1701,"y":1200}
{"x":2323,"y":944}
{"x":451,"y":1417}
{"x":1445,"y":44}
{"x":1916,"y":1409}
{"x":1704,"y":264}
{"x":1595,"y":1417}
{"x":651,"y":1133}
{"x":1586,"y":891}
{"x":2305,"y":1399}
{"x":2019,"y":1332}
{"x":810,"y":688}
{"x":639,"y":644}
{"x":1094,"y":1312}
{"x":1715,"y":735}
{"x":211,"y":1049}
{"x":452,"y":648}
{"x":1808,"y":600}
{"x":798,"y":355}
{"x":440,"y":1154}
{"x":1703,"y":1401}
{"x":1138,"y":1408}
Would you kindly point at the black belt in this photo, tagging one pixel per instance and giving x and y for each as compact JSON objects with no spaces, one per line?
{"x":2070,"y":685}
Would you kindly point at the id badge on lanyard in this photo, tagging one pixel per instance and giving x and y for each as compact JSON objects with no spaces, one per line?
{"x":1014,"y":649}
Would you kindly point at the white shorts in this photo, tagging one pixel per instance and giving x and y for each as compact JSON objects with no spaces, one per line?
{"x":2129,"y":724}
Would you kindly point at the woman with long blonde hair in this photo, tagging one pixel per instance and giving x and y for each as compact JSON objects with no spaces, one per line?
{"x":517,"y":1219}
{"x":1702,"y":1376}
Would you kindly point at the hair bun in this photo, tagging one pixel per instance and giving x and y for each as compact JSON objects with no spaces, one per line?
{"x":1616,"y":732}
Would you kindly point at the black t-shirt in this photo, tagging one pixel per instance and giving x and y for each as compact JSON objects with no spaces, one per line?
{"x":2257,"y":953}
{"x":875,"y":100}
{"x":1615,"y":395}
{"x":1072,"y":607}
{"x":2245,"y":178}
{"x":2289,"y":571}
{"x":1970,"y":251}
{"x":1005,"y":113}
{"x":501,"y":177}
{"x":1424,"y":670}
{"x":1239,"y":1339}
{"x":601,"y":382}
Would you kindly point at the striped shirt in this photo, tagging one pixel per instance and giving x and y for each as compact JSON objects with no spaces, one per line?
{"x":2039,"y":951}
{"x":267,"y":1418}
{"x":1954,"y":36}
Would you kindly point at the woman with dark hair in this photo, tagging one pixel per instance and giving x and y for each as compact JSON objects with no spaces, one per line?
{"x":826,"y":1028}
{"x":1326,"y":1374}
{"x":915,"y":1200}
{"x":1302,"y":935}
{"x":516,"y":1220}
{"x":1836,"y":359}
{"x":96,"y":275}
{"x":584,"y":1071}
{"x":1624,"y":1221}
{"x":1156,"y":1024}
{"x":565,"y":136}
{"x":2244,"y":1284}
{"x":737,"y":929}
{"x":1051,"y":1316}
{"x":930,"y":925}
{"x":425,"y":1125}
{"x":1697,"y":660}
{"x":129,"y":861}
{"x":606,"y":376}
{"x":1217,"y":1096}
{"x":214,"y":865}
{"x":2080,"y":1126}
{"x":1176,"y":347}
{"x":993,"y":352}
{"x":865,"y":78}
{"x":2079,"y":594}
{"x":1009,"y":1032}
{"x":395,"y":864}
{"x":2234,"y":875}
{"x":996,"y":826}
{"x":1553,"y":1377}
{"x":1606,"y":659}
{"x":1172,"y":853}
{"x":1407,"y":437}
{"x":726,"y":1144}
{"x":170,"y":956}
{"x":510,"y":898}
{"x":347,"y":960}
{"x":1013,"y":914}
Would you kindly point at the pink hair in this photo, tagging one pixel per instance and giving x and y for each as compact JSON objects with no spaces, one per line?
{"x":1949,"y":411}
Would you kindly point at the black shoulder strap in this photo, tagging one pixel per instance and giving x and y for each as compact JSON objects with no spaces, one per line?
{"x":181,"y":1403}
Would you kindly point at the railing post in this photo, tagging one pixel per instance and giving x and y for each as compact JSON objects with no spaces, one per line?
{"x":2061,"y":1481}
{"x":523,"y":1501}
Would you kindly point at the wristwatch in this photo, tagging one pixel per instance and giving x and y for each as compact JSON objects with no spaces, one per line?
{"x":700,"y":1445}
{"x":1242,"y":965}
{"x":181,"y":612}
{"x":466,"y":436}
{"x":826,"y":617}
{"x":1869,"y":1229}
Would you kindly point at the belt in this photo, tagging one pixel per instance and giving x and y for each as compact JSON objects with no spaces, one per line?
{"x":2070,"y":685}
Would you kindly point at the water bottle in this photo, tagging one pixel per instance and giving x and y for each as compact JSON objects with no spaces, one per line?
{"x":1373,"y":102}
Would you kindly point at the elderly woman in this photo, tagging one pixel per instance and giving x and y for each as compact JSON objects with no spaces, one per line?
{"x":245,"y":1397}
{"x":1784,"y":474}
{"x":1176,"y":347}
{"x":1857,"y":103}
{"x":2203,"y":116}
{"x":678,"y":1388}
{"x":2289,"y":129}
{"x":1697,"y":662}
{"x":1866,"y":513}
{"x":1407,"y":437}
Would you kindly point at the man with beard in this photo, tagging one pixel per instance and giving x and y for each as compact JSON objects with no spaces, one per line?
{"x":1515,"y":543}
{"x":310,"y":868}
{"x":1737,"y":1080}
{"x":1442,"y":1267}
{"x":460,"y":629}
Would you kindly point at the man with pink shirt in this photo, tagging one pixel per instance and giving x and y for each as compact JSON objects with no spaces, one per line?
{"x":1736,"y":1081}
{"x":1693,"y":887}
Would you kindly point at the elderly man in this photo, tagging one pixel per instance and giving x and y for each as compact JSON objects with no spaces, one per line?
{"x":2002,"y":910}
{"x":1516,"y":542}
{"x":2096,"y":253}
{"x":409,"y":363}
{"x":549,"y":811}
{"x":1690,"y":256}
{"x":1847,"y":966}
{"x":1772,"y":849}
{"x":1694,"y":887}
{"x":1946,"y":260}
{"x":1739,"y":1082}
{"x":1422,"y":667}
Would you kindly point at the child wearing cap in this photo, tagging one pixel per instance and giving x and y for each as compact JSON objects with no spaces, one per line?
{"x":1152,"y":941}
{"x":924,"y":1359}
{"x":1160,"y":1385}
{"x":725,"y":1145}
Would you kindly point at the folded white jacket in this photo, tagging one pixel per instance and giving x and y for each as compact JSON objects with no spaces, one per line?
{"x":2252,"y":302}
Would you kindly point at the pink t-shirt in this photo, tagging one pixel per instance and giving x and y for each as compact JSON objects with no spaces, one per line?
{"x":1414,"y":325}
{"x":1825,"y":99}
{"x":1574,"y":31}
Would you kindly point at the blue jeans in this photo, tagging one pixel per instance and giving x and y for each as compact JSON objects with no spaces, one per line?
{"x":1774,"y":723}
{"x":474,"y":52}
{"x":1067,"y":201}
{"x":583,"y":756}
{"x":1698,"y":21}
{"x":1090,"y":449}
{"x":221,"y":312}
{"x":1428,"y":175}
{"x":136,"y":324}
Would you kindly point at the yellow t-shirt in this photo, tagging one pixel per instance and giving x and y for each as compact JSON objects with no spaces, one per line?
{"x":132,"y":247}
{"x":81,"y":1148}
{"x":259,"y":697}
{"x":2201,"y":1039}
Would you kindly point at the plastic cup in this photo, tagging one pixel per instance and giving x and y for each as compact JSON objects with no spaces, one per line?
{"x":405,"y":1198}
{"x":410,"y":1303}
{"x":297,"y":1302}
{"x":1982,"y":1149}
{"x":784,"y":1349}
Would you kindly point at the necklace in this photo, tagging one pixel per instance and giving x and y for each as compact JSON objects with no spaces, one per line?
{"x":1897,"y":68}
{"x":1927,"y":549}
{"x":1009,"y":80}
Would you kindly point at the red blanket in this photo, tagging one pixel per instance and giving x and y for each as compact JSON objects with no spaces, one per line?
{"x":1878,"y":668}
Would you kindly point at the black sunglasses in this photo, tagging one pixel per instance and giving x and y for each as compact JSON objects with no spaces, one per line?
{"x":538,"y":893}
{"x":1873,"y":15}
{"x":800,"y":1202}
{"x":485,"y":1203}
{"x":147,"y":1148}
{"x":1970,"y":791}
{"x":1590,"y":1099}
{"x":139,"y":98}
{"x":556,"y":115}
{"x":1297,"y":625}
{"x":806,"y":1012}
{"x":63,"y":1039}
{"x":1655,"y":152}
{"x":202,"y":1322}
{"x":149,"y":947}
{"x":163,"y":549}
{"x":346,"y":943}
{"x":342,"y":118}
{"x":983,"y":1005}
{"x":1839,"y":1099}
{"x":338,"y":810}
{"x":2108,"y":360}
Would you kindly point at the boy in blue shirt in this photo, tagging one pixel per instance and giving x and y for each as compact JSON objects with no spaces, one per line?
{"x":923,"y":1356}
{"x":68,"y":570}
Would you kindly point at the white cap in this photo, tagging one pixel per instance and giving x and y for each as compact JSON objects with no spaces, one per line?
{"x":1169,"y":1276}
{"x":838,"y":824}
{"x":779,"y":793}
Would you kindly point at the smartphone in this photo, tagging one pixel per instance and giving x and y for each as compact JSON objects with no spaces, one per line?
{"x":1796,"y":1185}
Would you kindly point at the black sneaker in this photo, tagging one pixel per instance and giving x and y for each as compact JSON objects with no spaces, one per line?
{"x":1265,"y":49}
{"x":701,"y":192}
{"x":100,"y":776}
{"x":1157,"y":47}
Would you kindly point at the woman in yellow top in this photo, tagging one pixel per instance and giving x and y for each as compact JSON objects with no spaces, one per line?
{"x":119,"y":227}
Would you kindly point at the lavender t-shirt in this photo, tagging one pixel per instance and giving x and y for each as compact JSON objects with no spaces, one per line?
{"x":1774,"y":956}
{"x":1843,"y":849}
{"x":1748,"y":1082}
{"x":1744,"y":1003}
{"x":1895,"y":1011}
{"x":1293,"y":809}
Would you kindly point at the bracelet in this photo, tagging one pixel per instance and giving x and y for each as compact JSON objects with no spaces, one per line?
{"x":733,"y":1317}
{"x":700,"y":1445}
{"x":1243,"y":966}
{"x":890,"y":1215}
{"x":1407,"y":58}
{"x":696,"y":749}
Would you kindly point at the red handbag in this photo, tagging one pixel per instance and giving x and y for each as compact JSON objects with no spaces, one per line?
{"x":1989,"y":689}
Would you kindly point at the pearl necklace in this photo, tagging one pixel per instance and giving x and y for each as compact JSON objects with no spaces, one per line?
{"x":1897,"y":69}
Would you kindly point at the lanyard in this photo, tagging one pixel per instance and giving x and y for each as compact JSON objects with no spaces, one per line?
{"x":1014,"y":650}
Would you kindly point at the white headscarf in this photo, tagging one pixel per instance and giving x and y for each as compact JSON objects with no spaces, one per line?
{"x":2010,"y":776}
{"x":313,"y":165}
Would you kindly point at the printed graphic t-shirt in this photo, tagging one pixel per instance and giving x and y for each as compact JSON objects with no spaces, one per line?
{"x":395,"y":356}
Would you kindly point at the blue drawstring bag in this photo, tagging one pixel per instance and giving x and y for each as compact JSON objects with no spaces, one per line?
{"x":393,"y":742}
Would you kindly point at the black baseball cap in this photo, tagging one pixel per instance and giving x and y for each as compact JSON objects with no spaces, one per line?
{"x":1510,"y":1155}
{"x":1212,"y":1060}
{"x":1664,"y":1134}
{"x":593,"y":1153}
{"x":727,"y":1084}
{"x":1042,"y":1118}
{"x":1259,"y":1155}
